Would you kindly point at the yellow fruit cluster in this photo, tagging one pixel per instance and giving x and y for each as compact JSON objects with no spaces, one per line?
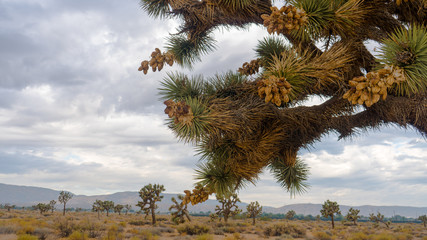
{"x":180,"y":110}
{"x":158,"y":59}
{"x":249,"y":68}
{"x":286,"y":19}
{"x":370,"y":88}
{"x":199,"y":195}
{"x":274,"y":89}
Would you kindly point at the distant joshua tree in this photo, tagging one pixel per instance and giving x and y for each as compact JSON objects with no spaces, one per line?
{"x":97,"y":207}
{"x":423,"y":219}
{"x":63,"y":198}
{"x":290,"y":214}
{"x":107,"y":206}
{"x":52,"y":205}
{"x":118,"y":208}
{"x":8,"y":206}
{"x":254,"y":209}
{"x":128,"y":207}
{"x":353,"y":215}
{"x":150,"y":194}
{"x":330,"y":208}
{"x":378,"y":218}
{"x":42,"y":207}
{"x":227,"y":204}
{"x":181,"y":210}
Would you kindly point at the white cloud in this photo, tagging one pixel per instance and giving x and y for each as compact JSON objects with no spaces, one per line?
{"x":76,"y":115}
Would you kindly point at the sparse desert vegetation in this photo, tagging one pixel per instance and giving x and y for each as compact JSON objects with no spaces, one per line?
{"x":30,"y":224}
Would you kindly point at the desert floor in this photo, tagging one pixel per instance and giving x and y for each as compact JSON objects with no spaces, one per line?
{"x":29,"y":225}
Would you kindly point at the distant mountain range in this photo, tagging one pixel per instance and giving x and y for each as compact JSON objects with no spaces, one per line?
{"x":28,"y":196}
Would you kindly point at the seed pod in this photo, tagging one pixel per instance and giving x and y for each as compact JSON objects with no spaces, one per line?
{"x":375,"y":98}
{"x":361,"y":85}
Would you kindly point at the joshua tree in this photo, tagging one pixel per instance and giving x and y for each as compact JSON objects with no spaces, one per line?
{"x":42,"y":207}
{"x":107,"y":206}
{"x":128,"y":207}
{"x":353,"y":215}
{"x":254,"y":209}
{"x":118,"y":208}
{"x":423,"y":219}
{"x":150,"y":194}
{"x":63,"y":198}
{"x":97,"y":206}
{"x":181,"y":210}
{"x":52,"y":205}
{"x":329,"y":209}
{"x":290,"y":214}
{"x":242,"y":122}
{"x":228,"y":207}
{"x":8,"y":206}
{"x":378,"y":218}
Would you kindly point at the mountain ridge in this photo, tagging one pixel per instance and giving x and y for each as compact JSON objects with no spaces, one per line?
{"x":28,"y":196}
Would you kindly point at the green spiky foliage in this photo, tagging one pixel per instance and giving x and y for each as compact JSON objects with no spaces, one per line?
{"x":187,"y":51}
{"x":150,"y":194}
{"x":228,"y":207}
{"x":353,"y":215}
{"x":237,"y":129}
{"x":253,"y":209}
{"x":407,"y":48}
{"x":292,"y":178}
{"x":270,"y":47}
{"x":329,"y":209}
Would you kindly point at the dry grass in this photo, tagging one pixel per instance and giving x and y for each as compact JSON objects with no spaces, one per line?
{"x":20,"y":224}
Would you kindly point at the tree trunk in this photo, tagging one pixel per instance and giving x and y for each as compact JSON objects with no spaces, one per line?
{"x":333,"y":225}
{"x":225,"y":218}
{"x":107,"y":212}
{"x":253,"y":221}
{"x":63,"y":212}
{"x":98,"y":215}
{"x":153,"y":215}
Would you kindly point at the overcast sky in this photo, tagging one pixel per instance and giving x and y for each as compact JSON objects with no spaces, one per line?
{"x":76,"y":115}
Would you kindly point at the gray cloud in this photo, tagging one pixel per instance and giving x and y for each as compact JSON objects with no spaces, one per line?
{"x":75,"y":114}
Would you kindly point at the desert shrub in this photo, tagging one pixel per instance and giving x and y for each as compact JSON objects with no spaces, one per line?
{"x":78,"y":235}
{"x":229,"y":229}
{"x":8,"y":229}
{"x":164,"y":229}
{"x":290,"y":229}
{"x":322,"y":236}
{"x":218,"y":231}
{"x":145,"y":234}
{"x":193,"y":229}
{"x":42,"y":233}
{"x":162,"y":219}
{"x":65,"y":226}
{"x":205,"y":237}
{"x":114,"y":233}
{"x":26,"y":229}
{"x":359,"y":236}
{"x":381,"y":236}
{"x":27,"y":237}
{"x":137,"y":222}
{"x":235,"y":236}
{"x":93,"y":229}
